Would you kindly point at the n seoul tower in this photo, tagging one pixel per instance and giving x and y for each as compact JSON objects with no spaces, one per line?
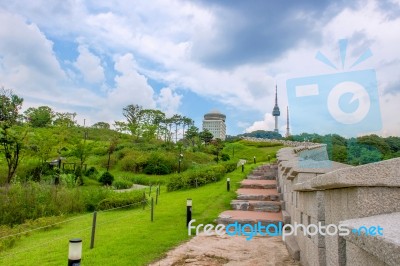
{"x":275,"y":111}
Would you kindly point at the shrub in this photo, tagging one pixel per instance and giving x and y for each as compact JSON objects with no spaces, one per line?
{"x":159,"y":164}
{"x":92,"y":171}
{"x":106,"y":179}
{"x":225,"y":157}
{"x":122,"y":184}
{"x":121,"y":199}
{"x":230,"y":167}
{"x":199,"y":177}
{"x":20,"y":202}
{"x":93,"y":195}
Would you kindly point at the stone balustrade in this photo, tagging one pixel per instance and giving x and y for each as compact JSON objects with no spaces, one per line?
{"x":316,"y":190}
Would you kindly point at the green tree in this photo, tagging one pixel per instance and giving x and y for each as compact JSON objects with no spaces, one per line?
{"x":150,"y":123}
{"x":121,"y":126}
{"x":11,"y":136}
{"x":375,"y":141}
{"x":10,"y":104}
{"x":42,"y":144}
{"x":133,"y":114}
{"x":206,"y":136}
{"x":176,"y":120}
{"x":11,"y":140}
{"x":101,"y":125}
{"x":218,"y":145}
{"x":191,"y":134}
{"x":39,"y":117}
{"x":186,"y":121}
{"x":65,"y":119}
{"x":82,"y":150}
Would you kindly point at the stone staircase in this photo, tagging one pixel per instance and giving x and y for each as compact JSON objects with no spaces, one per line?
{"x":258,"y":199}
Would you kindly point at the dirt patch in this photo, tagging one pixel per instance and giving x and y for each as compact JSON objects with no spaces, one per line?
{"x":227,"y":250}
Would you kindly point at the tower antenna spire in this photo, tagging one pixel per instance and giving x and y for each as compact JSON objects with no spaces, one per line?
{"x":276,"y":112}
{"x":287,"y":122}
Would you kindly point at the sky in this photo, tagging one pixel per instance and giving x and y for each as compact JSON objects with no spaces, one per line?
{"x":189,"y":57}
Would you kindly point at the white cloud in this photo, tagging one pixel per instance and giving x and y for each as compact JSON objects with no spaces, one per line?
{"x":131,"y":87}
{"x":267,"y":124}
{"x":169,"y":101}
{"x":89,"y":65}
{"x":163,"y":36}
{"x":27,"y":61}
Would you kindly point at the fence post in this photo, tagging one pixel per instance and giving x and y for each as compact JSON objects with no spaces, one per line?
{"x":156,"y":196}
{"x":152,"y":208}
{"x":150,"y":190}
{"x":159,"y":188}
{"x":93,"y":229}
{"x":144,"y":198}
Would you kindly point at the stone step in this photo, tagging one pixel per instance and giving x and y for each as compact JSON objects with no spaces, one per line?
{"x":258,"y":183}
{"x":257,"y":194}
{"x":271,"y":171}
{"x":250,"y":217}
{"x":261,"y":177}
{"x":258,"y":172}
{"x":255,"y":205}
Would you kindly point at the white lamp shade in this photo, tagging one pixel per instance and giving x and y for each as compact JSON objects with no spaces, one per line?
{"x":228,"y":179}
{"x":189,"y":202}
{"x":75,"y":249}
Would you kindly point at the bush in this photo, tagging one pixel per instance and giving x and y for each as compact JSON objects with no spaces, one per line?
{"x":106,"y":179}
{"x":225,"y":157}
{"x":93,"y":195}
{"x":133,"y":162}
{"x":121,"y":199}
{"x":20,"y":202}
{"x":159,"y":164}
{"x":122,"y":184}
{"x":92,"y":171}
{"x":230,"y":167}
{"x":199,"y":177}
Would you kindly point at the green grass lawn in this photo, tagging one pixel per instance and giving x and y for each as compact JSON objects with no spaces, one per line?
{"x":127,"y":237}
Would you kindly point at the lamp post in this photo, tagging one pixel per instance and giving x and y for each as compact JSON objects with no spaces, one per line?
{"x":188,"y":211}
{"x":242,"y":167}
{"x":254,"y":159}
{"x":179,"y":162}
{"x":75,"y":252}
{"x":228,"y":184}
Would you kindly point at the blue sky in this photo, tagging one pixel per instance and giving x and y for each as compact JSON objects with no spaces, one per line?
{"x":188,"y":57}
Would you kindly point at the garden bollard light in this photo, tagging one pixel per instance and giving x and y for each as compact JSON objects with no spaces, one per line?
{"x":75,"y":252}
{"x":188,"y":211}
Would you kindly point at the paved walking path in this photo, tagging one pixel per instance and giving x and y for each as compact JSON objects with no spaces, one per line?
{"x":258,"y":200}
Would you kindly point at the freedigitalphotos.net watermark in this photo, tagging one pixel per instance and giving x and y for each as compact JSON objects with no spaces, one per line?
{"x":252,"y":230}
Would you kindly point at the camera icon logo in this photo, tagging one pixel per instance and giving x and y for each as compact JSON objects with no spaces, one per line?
{"x":346,"y":103}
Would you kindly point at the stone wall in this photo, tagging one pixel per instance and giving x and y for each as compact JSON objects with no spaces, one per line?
{"x":315,"y":190}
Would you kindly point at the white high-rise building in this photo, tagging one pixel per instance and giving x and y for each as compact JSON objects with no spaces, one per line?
{"x":214,"y":122}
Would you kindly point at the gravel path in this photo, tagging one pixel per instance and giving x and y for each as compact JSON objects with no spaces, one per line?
{"x":227,"y":250}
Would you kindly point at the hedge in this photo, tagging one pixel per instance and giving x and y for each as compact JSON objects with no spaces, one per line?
{"x":199,"y":176}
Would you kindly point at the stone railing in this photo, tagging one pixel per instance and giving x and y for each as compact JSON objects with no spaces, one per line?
{"x":288,"y":143}
{"x":315,"y":190}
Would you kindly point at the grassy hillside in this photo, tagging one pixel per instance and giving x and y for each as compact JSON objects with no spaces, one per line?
{"x":126,"y":236}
